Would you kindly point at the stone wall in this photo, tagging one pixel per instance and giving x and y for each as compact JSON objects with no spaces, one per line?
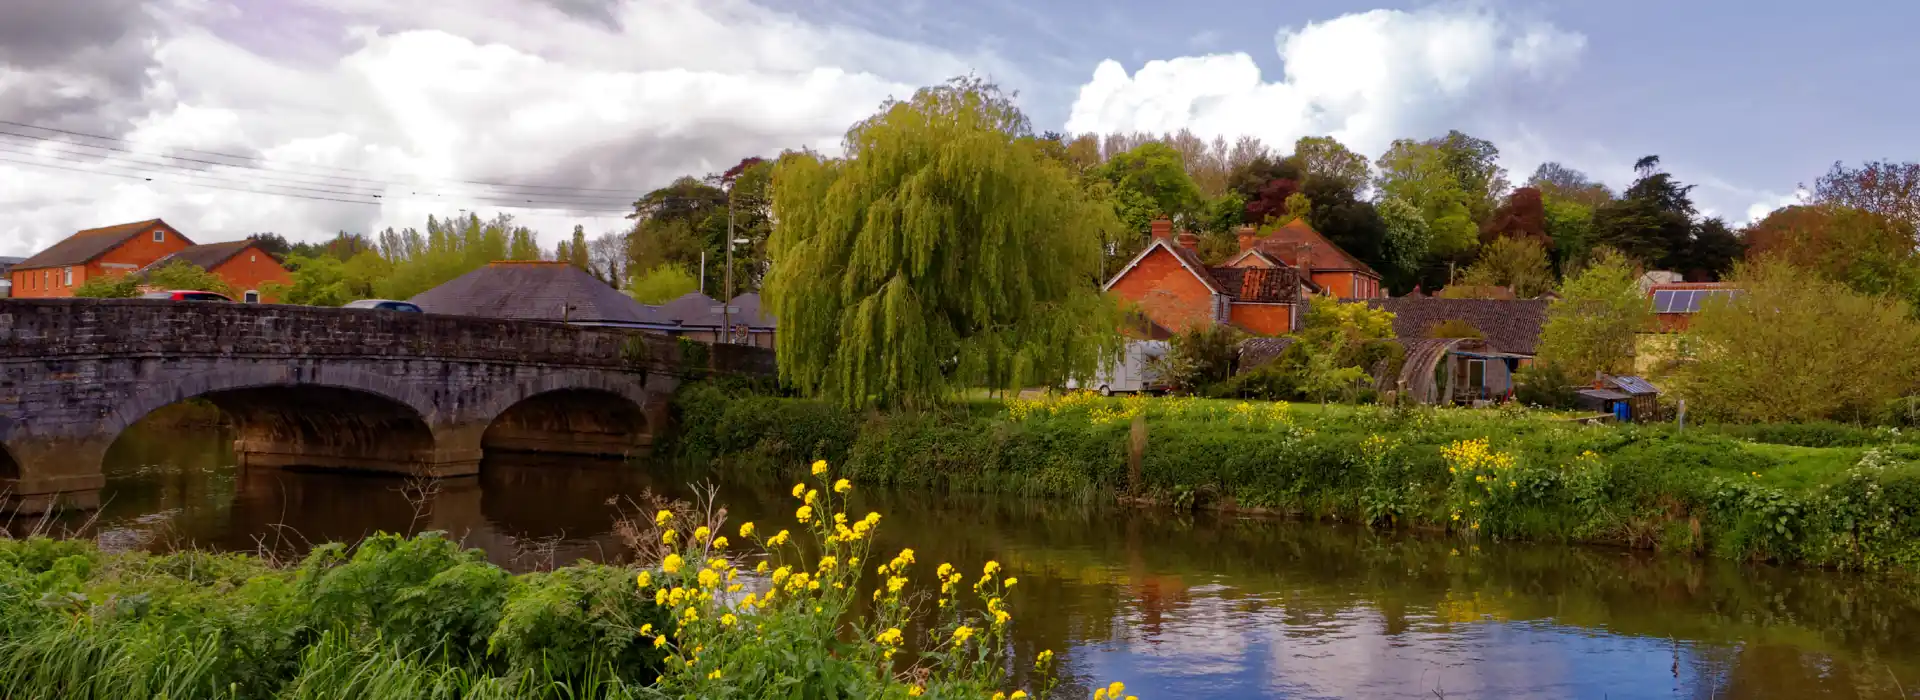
{"x":345,"y":388}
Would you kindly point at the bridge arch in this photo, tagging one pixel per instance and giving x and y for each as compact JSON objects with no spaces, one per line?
{"x":294,"y":416}
{"x":571,"y":413}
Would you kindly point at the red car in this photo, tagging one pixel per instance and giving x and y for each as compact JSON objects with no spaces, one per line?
{"x":186,"y":295}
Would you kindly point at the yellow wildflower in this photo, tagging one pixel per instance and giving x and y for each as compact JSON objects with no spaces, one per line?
{"x":720,"y":542}
{"x":746,"y":530}
{"x":672,"y":563}
{"x":666,"y":537}
{"x":943,"y":571}
{"x":1009,"y":582}
{"x":819,"y":467}
{"x":662,"y":517}
{"x":714,"y":676}
{"x":842,"y":486}
{"x":709,"y":578}
{"x":645,"y":579}
{"x":916,"y":691}
{"x":961,"y":634}
{"x":659,"y":641}
{"x":700,"y":534}
{"x":778,"y":538}
{"x":1018,"y":695}
{"x":891,"y":637}
{"x":1116,"y":689}
{"x":811,"y":495}
{"x":799,"y":489}
{"x":781,"y":574}
{"x":827,"y":563}
{"x":728,"y":619}
{"x":760,"y":568}
{"x":804,"y":514}
{"x":991,"y":568}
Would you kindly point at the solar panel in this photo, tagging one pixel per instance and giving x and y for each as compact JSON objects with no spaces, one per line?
{"x":1662,"y":301}
{"x":1690,"y":301}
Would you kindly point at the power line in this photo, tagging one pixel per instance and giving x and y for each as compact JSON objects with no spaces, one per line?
{"x":218,"y":154}
{"x":145,"y":175}
{"x":281,"y":176}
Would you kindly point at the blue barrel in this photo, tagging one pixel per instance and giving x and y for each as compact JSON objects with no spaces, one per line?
{"x":1622,"y":412}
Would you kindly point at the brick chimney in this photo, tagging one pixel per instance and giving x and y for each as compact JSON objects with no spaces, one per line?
{"x":1304,"y":258}
{"x":1188,"y":240}
{"x":1162,"y":227}
{"x":1247,"y":239}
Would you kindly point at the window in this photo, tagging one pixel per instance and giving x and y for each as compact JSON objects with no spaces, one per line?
{"x":253,"y":258}
{"x":1477,"y":376}
{"x":251,"y":297}
{"x":67,"y":280}
{"x":159,"y":235}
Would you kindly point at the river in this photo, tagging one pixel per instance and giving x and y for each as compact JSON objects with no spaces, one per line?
{"x":1175,"y":605}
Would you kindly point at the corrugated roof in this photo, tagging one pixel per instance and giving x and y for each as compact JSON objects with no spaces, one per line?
{"x":1604,"y":394}
{"x":1511,"y":325}
{"x":1284,"y":243}
{"x":1633,"y":385}
{"x":205,"y":257}
{"x":84,"y":246}
{"x":534,"y":290}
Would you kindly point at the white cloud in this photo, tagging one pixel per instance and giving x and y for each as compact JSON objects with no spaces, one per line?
{"x":1364,"y":78}
{"x":1769,"y":202}
{"x":426,"y":94}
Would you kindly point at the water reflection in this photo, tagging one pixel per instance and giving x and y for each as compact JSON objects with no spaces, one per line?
{"x":1175,"y":606}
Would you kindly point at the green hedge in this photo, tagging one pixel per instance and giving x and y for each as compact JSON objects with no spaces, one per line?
{"x":1845,"y":497}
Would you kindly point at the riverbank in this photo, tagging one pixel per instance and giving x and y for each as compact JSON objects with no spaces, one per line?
{"x":769,"y":613}
{"x":1818,"y":495}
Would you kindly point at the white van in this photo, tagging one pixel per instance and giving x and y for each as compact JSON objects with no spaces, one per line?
{"x":1133,"y":373}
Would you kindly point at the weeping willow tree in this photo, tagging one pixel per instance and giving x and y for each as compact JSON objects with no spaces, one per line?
{"x":945,"y":251}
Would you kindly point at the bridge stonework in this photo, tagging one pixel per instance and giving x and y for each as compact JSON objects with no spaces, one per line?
{"x":314,"y":387}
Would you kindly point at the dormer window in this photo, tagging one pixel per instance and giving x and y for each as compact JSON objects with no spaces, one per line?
{"x":159,"y":235}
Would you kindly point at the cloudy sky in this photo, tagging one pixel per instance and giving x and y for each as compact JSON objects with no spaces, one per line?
{"x":571,"y":108}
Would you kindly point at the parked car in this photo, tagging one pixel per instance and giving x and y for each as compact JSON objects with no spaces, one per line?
{"x":186,"y":295}
{"x":384,"y":305}
{"x":1135,"y":372}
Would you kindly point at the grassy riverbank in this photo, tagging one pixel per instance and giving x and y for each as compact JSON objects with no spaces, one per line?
{"x":771,"y":613}
{"x":1823,"y":495}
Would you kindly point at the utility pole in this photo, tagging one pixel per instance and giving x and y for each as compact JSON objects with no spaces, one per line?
{"x":726,"y":301}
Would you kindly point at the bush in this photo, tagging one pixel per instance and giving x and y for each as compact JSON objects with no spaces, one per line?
{"x":1523,"y":474}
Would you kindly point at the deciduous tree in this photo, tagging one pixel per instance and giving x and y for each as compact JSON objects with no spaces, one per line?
{"x":1868,"y":252}
{"x":1323,"y":157}
{"x":1591,"y":327}
{"x":1557,"y":182}
{"x":1887,"y":188}
{"x":662,"y":284}
{"x":940,"y":253}
{"x":1519,"y":264}
{"x":1795,"y":347}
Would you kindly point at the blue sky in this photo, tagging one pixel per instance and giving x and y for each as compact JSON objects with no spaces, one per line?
{"x":1746,"y":100}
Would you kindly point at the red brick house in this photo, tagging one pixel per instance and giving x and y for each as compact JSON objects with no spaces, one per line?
{"x":1177,"y":291}
{"x":1298,"y":246}
{"x":129,"y":248}
{"x":112,"y":250}
{"x":241,"y":264}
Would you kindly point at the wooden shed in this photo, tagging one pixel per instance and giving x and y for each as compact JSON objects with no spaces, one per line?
{"x":1627,"y":398}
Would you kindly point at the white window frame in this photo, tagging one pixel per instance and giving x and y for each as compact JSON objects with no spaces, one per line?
{"x":159,"y":235}
{"x":251,"y":296}
{"x":67,"y":277}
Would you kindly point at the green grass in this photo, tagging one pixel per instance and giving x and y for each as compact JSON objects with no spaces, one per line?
{"x":1817,"y":498}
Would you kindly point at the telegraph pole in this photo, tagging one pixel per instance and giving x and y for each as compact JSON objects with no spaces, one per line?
{"x":726,"y":301}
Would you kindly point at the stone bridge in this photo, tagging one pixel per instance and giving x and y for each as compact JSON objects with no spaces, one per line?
{"x":351,"y":389}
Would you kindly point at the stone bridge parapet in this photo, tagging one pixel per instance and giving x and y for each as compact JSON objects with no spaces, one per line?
{"x":328,"y":388}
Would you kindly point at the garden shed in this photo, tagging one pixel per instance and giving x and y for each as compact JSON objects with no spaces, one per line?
{"x":1450,"y":371}
{"x":1627,"y":398}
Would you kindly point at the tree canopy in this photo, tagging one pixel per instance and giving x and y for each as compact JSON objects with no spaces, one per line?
{"x":944,"y":251}
{"x":1591,"y":327}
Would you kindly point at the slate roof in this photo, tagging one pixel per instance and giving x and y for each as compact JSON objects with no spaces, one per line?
{"x":1284,"y":243}
{"x":1258,"y":352}
{"x":1511,"y":325}
{"x":687,"y":308}
{"x":205,"y":257}
{"x":534,"y":290}
{"x":696,"y":309}
{"x":86,"y":245}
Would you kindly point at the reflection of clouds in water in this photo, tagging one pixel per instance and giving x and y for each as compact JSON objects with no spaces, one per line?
{"x":1214,"y":644}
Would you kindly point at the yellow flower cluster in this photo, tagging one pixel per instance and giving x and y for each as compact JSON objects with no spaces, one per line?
{"x":1022,"y":409}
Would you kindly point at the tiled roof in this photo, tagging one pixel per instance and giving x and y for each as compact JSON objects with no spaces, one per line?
{"x":86,"y":245}
{"x":536,"y":290}
{"x":1194,"y":263}
{"x":1258,"y":284}
{"x":205,"y":257}
{"x":1511,"y":325}
{"x":1284,"y":243}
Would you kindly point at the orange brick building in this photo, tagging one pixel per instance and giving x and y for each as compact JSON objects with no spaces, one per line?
{"x":1298,"y":246}
{"x":130,"y":248}
{"x":1173,"y":288}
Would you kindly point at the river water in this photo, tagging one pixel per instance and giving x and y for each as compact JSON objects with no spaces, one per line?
{"x":1174,"y":605}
